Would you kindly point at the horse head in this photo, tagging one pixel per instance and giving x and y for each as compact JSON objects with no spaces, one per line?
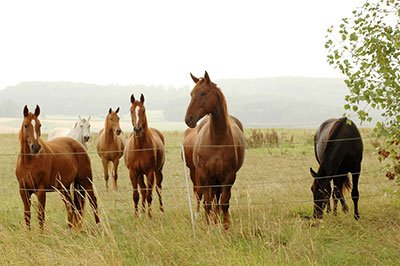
{"x":321,"y":190}
{"x":30,"y":130}
{"x":84,"y":127}
{"x":203,"y":100}
{"x":112,"y":121}
{"x":138,"y":114}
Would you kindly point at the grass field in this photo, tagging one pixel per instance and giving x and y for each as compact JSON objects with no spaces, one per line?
{"x":270,"y":203}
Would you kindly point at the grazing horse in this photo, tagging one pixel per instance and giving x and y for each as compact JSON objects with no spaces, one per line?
{"x":338,"y":148}
{"x":110,"y":145}
{"x":144,"y":155}
{"x":80,"y":132}
{"x":52,"y":165}
{"x":189,"y":138}
{"x":218,"y":148}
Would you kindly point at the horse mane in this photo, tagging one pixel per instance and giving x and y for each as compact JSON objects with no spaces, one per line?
{"x":222,"y":100}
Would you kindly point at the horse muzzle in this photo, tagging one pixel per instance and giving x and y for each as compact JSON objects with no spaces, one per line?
{"x":191,"y":121}
{"x":35,"y":148}
{"x":118,"y":131}
{"x":86,"y":138}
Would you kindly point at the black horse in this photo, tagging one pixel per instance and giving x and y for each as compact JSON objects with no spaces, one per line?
{"x":338,"y":149}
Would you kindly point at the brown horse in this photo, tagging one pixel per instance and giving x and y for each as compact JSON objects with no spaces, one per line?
{"x":110,"y":145}
{"x":144,"y":155}
{"x":52,"y":165}
{"x":189,"y":138}
{"x":218,"y":148}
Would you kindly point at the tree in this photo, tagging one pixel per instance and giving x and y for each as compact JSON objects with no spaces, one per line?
{"x":366,"y":49}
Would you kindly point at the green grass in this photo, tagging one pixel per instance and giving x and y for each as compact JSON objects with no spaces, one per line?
{"x":270,"y":205}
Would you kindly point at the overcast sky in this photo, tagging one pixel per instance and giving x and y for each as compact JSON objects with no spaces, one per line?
{"x":160,"y":42}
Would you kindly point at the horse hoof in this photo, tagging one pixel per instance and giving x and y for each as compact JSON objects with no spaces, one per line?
{"x":356,"y":216}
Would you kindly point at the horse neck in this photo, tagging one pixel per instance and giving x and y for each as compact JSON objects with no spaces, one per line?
{"x":109,"y":133}
{"x":76,"y":133}
{"x":219,"y":122}
{"x":146,"y":137}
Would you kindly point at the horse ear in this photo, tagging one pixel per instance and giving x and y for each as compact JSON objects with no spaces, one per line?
{"x":37,"y":111}
{"x":26,"y":111}
{"x":109,"y":110}
{"x":116,"y":111}
{"x":313,"y":173}
{"x":88,"y":118}
{"x":194,"y":78}
{"x":132,"y":98}
{"x":76,"y":124}
{"x":79,"y":117}
{"x":141,"y":98}
{"x":206,"y":77}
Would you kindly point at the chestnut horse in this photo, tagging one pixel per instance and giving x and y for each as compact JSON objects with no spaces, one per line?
{"x":110,"y":145}
{"x":339,"y":150}
{"x":144,"y":155}
{"x":218,"y":148}
{"x":189,"y":138}
{"x":52,"y":165}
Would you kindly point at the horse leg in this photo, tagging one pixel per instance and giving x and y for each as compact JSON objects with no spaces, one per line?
{"x":355,"y":193}
{"x":336,"y":195}
{"x":328,"y":203}
{"x":196,"y":189}
{"x":26,"y":200}
{"x":41,"y":195}
{"x":226,"y":196}
{"x":115,"y":174}
{"x":105,"y":170}
{"x":149,"y":191}
{"x":206,"y":192}
{"x":143,"y":189}
{"x":159,"y":179}
{"x":68,"y":205}
{"x":135,"y":190}
{"x":88,"y":188}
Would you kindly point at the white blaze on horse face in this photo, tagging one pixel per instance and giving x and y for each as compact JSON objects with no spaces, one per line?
{"x":137,"y":115}
{"x":34,"y":129}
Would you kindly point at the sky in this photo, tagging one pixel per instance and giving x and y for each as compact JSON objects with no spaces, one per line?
{"x":161,"y":42}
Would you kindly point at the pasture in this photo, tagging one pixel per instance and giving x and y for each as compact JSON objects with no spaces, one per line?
{"x":270,"y":208}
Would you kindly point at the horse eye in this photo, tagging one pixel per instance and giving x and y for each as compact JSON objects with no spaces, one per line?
{"x":81,"y":126}
{"x":25,"y":126}
{"x":203,"y":94}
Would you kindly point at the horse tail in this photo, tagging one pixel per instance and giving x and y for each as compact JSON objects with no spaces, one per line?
{"x":347,"y":185}
{"x":79,"y":203}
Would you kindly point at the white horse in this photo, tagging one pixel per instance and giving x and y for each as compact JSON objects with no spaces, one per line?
{"x":80,"y":132}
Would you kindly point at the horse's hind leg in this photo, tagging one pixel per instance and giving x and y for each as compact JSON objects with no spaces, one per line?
{"x":159,"y":179}
{"x":104,"y":161}
{"x":68,"y":205}
{"x":26,"y":200}
{"x":355,"y":193}
{"x":88,"y":186}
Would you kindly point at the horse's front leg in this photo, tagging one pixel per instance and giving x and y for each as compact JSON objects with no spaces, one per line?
{"x":226,"y":196}
{"x":134,"y":182}
{"x":26,"y":200}
{"x":41,"y":195}
{"x":105,"y":162}
{"x":115,"y":174}
{"x":143,"y":189}
{"x":149,"y":191}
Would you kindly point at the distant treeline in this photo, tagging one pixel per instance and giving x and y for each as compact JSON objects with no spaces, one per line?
{"x":265,"y":101}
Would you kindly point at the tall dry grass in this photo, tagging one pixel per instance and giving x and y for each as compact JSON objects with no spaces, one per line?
{"x":270,"y":207}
